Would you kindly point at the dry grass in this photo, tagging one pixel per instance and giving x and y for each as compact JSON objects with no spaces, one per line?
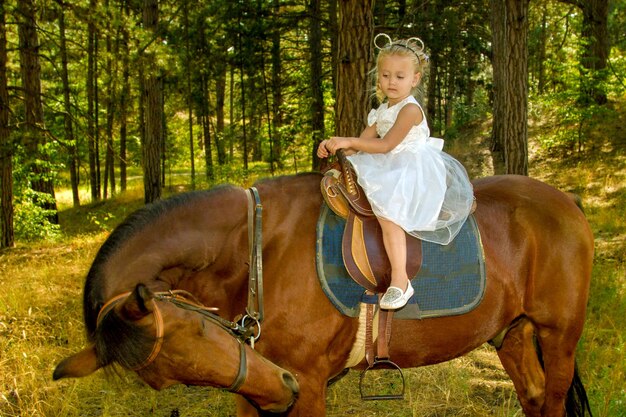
{"x":472,"y":386}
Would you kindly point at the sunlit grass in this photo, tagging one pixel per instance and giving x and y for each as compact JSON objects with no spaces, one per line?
{"x":474,"y":385}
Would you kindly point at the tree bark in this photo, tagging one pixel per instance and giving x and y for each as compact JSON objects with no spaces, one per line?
{"x":206,"y":130}
{"x":355,"y":58}
{"x":72,"y":148}
{"x":317,"y":92}
{"x":516,"y":143}
{"x":220,"y":101}
{"x":125,"y":101}
{"x":242,"y":85}
{"x":433,"y":97}
{"x":231,"y":114}
{"x":277,"y":91}
{"x":333,"y":24}
{"x":189,"y":93}
{"x":543,"y":39}
{"x":34,"y":125}
{"x":153,"y":86}
{"x":7,"y":238}
{"x":510,"y":86}
{"x":499,"y":62}
{"x":92,"y":134}
{"x":112,"y":57}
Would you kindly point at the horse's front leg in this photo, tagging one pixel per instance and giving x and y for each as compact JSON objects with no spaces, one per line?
{"x":311,"y":401}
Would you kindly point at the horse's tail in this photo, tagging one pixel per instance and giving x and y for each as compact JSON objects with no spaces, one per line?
{"x":577,"y":403}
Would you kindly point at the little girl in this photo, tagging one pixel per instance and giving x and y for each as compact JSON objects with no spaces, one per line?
{"x":412,"y":185}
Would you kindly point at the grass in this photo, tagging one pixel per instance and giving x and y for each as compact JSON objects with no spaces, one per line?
{"x":40,"y":311}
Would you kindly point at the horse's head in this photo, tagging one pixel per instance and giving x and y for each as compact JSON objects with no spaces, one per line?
{"x":166,"y":345}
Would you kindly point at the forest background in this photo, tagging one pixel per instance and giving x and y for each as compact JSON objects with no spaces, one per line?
{"x":109,"y":104}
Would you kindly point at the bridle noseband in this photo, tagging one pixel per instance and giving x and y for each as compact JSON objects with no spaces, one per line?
{"x":243,"y":331}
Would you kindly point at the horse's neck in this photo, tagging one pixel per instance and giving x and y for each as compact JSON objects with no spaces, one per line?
{"x":190,"y":241}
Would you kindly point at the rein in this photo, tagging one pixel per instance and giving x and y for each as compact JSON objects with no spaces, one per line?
{"x":243,"y":331}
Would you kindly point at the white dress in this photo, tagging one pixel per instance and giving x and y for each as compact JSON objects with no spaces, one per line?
{"x":416,"y":185}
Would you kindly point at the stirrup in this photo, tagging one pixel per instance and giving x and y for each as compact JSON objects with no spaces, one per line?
{"x":377,"y":365}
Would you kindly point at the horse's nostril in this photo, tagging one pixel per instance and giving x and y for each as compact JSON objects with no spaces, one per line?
{"x":291,"y":382}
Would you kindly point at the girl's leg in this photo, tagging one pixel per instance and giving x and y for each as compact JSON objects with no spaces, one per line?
{"x":395,"y":246}
{"x":394,"y":239}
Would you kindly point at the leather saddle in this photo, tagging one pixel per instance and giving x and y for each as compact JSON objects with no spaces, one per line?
{"x":341,"y":191}
{"x":363,"y":249}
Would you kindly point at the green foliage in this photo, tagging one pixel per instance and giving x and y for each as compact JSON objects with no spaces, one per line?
{"x":465,"y":113}
{"x":32,"y":222}
{"x":576,"y":126}
{"x":101,"y":220}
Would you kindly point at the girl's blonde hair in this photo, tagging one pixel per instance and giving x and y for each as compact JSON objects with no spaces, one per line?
{"x":412,"y":48}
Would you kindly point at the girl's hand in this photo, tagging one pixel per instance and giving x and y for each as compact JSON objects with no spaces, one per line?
{"x":337,"y":142}
{"x":322,"y":150}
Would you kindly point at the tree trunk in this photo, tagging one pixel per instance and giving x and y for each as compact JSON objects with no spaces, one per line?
{"x":355,"y":58}
{"x":34,"y":126}
{"x":277,"y":92}
{"x":240,"y":64}
{"x":433,"y":96}
{"x":71,"y":145}
{"x":206,"y":129}
{"x":7,"y":238}
{"x":333,"y":24}
{"x":543,"y":39}
{"x":220,"y":100}
{"x":243,"y":107}
{"x":112,"y":56}
{"x":124,"y":105}
{"x":499,"y":63}
{"x":153,"y":87}
{"x":317,"y":91}
{"x":189,"y":93}
{"x":92,"y":135}
{"x":96,"y":112}
{"x":451,"y":79}
{"x":231,"y":113}
{"x":255,"y":129}
{"x":516,"y":143}
{"x":268,"y":116}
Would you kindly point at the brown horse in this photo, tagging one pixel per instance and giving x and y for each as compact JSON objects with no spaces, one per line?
{"x":538,"y":248}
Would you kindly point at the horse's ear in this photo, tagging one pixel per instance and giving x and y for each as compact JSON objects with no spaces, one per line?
{"x":138,"y":304}
{"x":78,"y":365}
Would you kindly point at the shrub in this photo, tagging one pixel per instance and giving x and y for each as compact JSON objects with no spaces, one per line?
{"x":32,"y":222}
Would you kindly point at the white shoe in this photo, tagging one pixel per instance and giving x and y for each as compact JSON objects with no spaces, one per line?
{"x":395,"y":298}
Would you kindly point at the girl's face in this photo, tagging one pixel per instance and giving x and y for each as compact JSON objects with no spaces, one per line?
{"x":397,"y":77}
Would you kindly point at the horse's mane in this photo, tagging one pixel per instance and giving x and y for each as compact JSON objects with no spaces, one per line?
{"x":133,"y":224}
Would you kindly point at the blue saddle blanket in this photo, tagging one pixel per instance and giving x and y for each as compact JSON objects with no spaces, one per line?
{"x":450,"y":281}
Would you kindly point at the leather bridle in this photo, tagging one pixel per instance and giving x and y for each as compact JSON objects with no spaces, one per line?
{"x":243,"y":331}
